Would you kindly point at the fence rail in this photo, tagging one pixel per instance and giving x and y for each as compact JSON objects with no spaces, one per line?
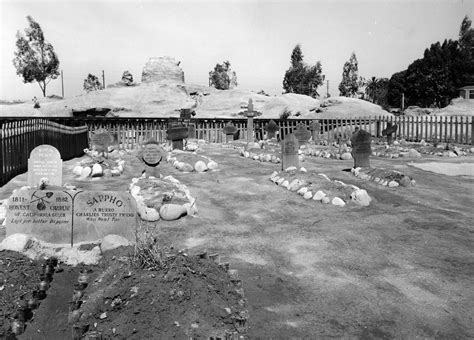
{"x":18,"y":136}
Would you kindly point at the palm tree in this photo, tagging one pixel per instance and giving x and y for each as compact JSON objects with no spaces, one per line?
{"x":371,"y":89}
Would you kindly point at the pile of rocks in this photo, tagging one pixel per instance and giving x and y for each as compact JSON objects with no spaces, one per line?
{"x":95,"y":165}
{"x":163,"y":197}
{"x":320,"y":187}
{"x":390,"y":178}
{"x":188,"y":162}
{"x":402,"y":148}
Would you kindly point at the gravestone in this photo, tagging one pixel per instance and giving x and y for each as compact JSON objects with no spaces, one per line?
{"x":389,"y":131}
{"x":100,"y":213}
{"x":250,"y":114}
{"x":68,"y":216}
{"x":361,"y":149}
{"x":45,"y":161}
{"x":289,"y":152}
{"x":101,"y":139}
{"x":230,"y":131}
{"x":301,"y":133}
{"x":153,"y":153}
{"x":271,"y":128}
{"x":176,"y":134}
{"x":315,"y":128}
{"x":191,"y":131}
{"x":43,"y":214}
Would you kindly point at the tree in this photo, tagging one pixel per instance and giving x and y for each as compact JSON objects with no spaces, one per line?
{"x":35,"y":59}
{"x":92,"y":83}
{"x":371,"y":88}
{"x":223,"y":77}
{"x":351,"y":82}
{"x":302,"y":78}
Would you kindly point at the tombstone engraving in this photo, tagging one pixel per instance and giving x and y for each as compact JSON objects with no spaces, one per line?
{"x":101,"y":139}
{"x":389,"y":131}
{"x":301,"y":133}
{"x":43,"y":214}
{"x":176,"y":134}
{"x":271,"y":128}
{"x":153,"y":153}
{"x":289,"y":152}
{"x":45,"y":161}
{"x":361,"y":149}
{"x":100,"y":213}
{"x":315,"y":128}
{"x":230,"y":130}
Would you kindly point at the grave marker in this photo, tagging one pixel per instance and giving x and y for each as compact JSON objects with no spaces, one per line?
{"x":250,"y":114}
{"x":271,"y":129}
{"x":315,"y":128}
{"x":230,"y":131}
{"x":289,"y":152}
{"x":301,"y":133}
{"x":101,"y":139}
{"x":389,"y":131}
{"x":45,"y":161}
{"x":361,"y":149}
{"x":153,"y":153}
{"x":176,"y":134}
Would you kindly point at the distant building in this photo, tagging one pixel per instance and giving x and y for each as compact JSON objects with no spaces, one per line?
{"x":467,"y":92}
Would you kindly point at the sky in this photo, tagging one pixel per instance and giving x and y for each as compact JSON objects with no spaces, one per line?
{"x":257,"y":37}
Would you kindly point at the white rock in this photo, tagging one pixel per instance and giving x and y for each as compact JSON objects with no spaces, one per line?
{"x":325,"y":200}
{"x":146,"y":213}
{"x":280,"y":180}
{"x":341,"y":183}
{"x":413,"y":153}
{"x":86,"y":171}
{"x":413,"y":182}
{"x":451,"y":154}
{"x":77,"y":170}
{"x":275,"y":179}
{"x":325,"y":177}
{"x":120,"y":168}
{"x":267,"y":157}
{"x":382,"y":182}
{"x":171,"y":212}
{"x":338,"y":202}
{"x":16,"y":242}
{"x":115,"y":172}
{"x":110,"y":242}
{"x":295,"y":184}
{"x":246,"y":154}
{"x":364,"y":177}
{"x":200,"y":166}
{"x":255,"y":157}
{"x":97,"y":170}
{"x":273,"y":175}
{"x":285,"y":184}
{"x":107,"y":173}
{"x":291,"y":168}
{"x":302,"y":169}
{"x":302,"y":191}
{"x":393,"y":184}
{"x":274,"y":159}
{"x":191,"y":209}
{"x":301,"y":158}
{"x":186,"y":167}
{"x":319,"y":195}
{"x":346,"y":156}
{"x":308,"y":195}
{"x":361,"y":197}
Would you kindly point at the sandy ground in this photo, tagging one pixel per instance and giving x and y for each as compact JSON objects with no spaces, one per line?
{"x":401,"y":268}
{"x":448,"y":169}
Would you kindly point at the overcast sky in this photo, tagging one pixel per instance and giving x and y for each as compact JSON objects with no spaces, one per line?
{"x":257,"y":37}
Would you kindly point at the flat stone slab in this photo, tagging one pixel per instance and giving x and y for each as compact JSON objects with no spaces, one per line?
{"x":68,"y":216}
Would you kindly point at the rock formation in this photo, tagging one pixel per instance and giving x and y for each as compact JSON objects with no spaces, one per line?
{"x":162,"y":68}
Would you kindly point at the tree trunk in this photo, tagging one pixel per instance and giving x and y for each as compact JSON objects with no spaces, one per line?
{"x":44,"y":88}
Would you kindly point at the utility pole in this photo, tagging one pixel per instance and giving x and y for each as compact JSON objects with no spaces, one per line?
{"x":403,"y":102}
{"x":103,"y":79}
{"x":62,"y":84}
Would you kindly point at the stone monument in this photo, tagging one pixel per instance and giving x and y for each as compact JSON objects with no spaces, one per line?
{"x":230,"y":131}
{"x":315,"y":128}
{"x":302,"y":134}
{"x":389,"y":131}
{"x":289,"y":152}
{"x":250,"y":114}
{"x":45,"y":162}
{"x":176,"y":134}
{"x":361,"y":149}
{"x":271,"y":129}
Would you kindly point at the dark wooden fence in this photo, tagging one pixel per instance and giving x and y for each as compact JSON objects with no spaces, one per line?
{"x":18,"y":136}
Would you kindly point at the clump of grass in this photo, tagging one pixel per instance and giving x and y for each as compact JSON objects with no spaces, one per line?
{"x":147,"y":254}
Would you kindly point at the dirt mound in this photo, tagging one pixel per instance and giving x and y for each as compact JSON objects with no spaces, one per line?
{"x":458,"y":107}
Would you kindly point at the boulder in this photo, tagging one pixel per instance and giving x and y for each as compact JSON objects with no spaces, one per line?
{"x":171,"y":212}
{"x":97,"y":170}
{"x":338,"y":202}
{"x":361,"y":197}
{"x":212,"y":165}
{"x":200,"y":166}
{"x":77,"y":170}
{"x":346,"y":156}
{"x":186,"y":167}
{"x":308,"y":195}
{"x":86,"y":171}
{"x":405,"y":181}
{"x":319,"y":195}
{"x":162,"y":68}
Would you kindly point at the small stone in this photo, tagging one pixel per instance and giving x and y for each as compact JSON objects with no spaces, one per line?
{"x":86,"y":171}
{"x":405,"y":181}
{"x":285,"y":184}
{"x":302,"y":191}
{"x":308,"y":195}
{"x":361,"y":197}
{"x":200,"y":166}
{"x":103,"y":315}
{"x":319,"y":195}
{"x":325,"y":200}
{"x":280,"y":181}
{"x":413,"y":153}
{"x":107,"y":173}
{"x":338,"y":202}
{"x":186,"y":167}
{"x":77,"y":170}
{"x":393,"y":184}
{"x":115,"y":172}
{"x":451,"y":154}
{"x":291,"y":168}
{"x":246,"y":154}
{"x":302,"y":169}
{"x":346,"y":156}
{"x":413,"y":182}
{"x":295,"y":185}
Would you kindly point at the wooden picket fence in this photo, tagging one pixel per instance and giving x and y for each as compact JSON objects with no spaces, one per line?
{"x":19,"y":137}
{"x":131,"y":132}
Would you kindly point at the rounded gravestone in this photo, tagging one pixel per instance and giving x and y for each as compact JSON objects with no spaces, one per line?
{"x":101,"y":139}
{"x":152,"y":154}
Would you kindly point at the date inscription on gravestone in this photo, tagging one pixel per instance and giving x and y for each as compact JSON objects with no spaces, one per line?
{"x":45,"y":161}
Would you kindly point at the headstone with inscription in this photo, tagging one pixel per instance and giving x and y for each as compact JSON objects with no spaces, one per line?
{"x":361,"y":149}
{"x":45,"y":161}
{"x":153,"y":153}
{"x":315,"y":128}
{"x":289,"y":152}
{"x":101,"y":139}
{"x":302,"y":134}
{"x":100,"y":213}
{"x":271,"y":128}
{"x":230,"y":131}
{"x":68,"y":216}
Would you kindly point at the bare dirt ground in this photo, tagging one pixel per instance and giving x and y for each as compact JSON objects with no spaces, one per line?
{"x":402,"y":267}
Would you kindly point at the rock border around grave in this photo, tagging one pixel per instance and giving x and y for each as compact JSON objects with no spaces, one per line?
{"x":99,"y":166}
{"x":289,"y":180}
{"x":202,"y":164}
{"x":384,"y":177}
